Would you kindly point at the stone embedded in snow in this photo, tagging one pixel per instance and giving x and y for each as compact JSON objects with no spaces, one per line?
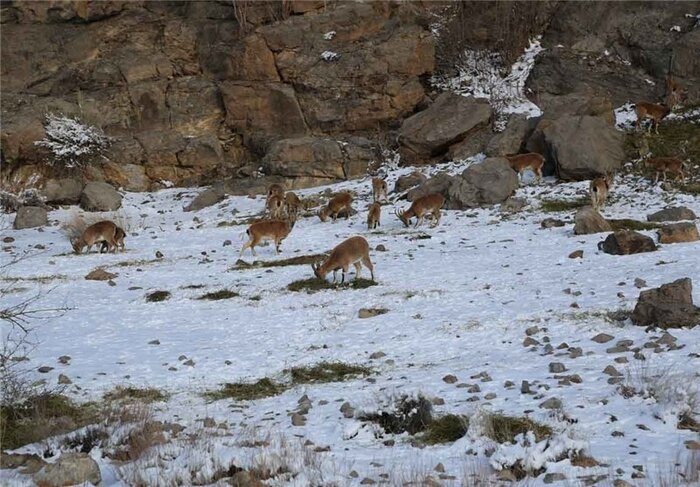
{"x":556,"y":367}
{"x":206,"y":198}
{"x":612,"y":371}
{"x":529,"y":341}
{"x":668,"y":306}
{"x":602,"y":338}
{"x":44,"y":369}
{"x":692,"y":445}
{"x":551,"y":223}
{"x":377,"y":355}
{"x":69,"y":469}
{"x":347,"y":410}
{"x":64,"y":379}
{"x":298,"y":420}
{"x":450,"y":379}
{"x":404,"y":183}
{"x":678,"y":233}
{"x":64,"y":359}
{"x":576,"y":254}
{"x":30,"y":217}
{"x":100,"y":274}
{"x":587,"y":221}
{"x":551,"y":403}
{"x":626,"y":242}
{"x":639,"y":283}
{"x":550,"y":478}
{"x":371,"y":312}
{"x":674,"y":214}
{"x":99,"y":196}
{"x":532,"y":330}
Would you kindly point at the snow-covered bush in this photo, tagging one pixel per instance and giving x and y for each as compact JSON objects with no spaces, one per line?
{"x":71,"y":142}
{"x":10,"y":202}
{"x":530,"y":456}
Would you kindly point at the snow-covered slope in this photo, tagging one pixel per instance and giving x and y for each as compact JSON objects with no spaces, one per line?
{"x":460,"y":298}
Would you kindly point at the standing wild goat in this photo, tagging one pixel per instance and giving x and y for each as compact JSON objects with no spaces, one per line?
{"x":275,"y":190}
{"x":653,"y":111}
{"x":662,"y":165}
{"x":375,"y":212}
{"x":118,"y":238}
{"x":104,"y":231}
{"x":599,"y":189}
{"x":428,"y":204}
{"x":275,"y":230}
{"x":292,"y":205}
{"x":275,"y":206}
{"x":378,"y":188}
{"x":531,"y":160}
{"x":352,"y":251}
{"x":340,"y":202}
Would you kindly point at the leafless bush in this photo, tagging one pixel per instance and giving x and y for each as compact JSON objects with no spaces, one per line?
{"x":10,"y":202}
{"x":78,"y":221}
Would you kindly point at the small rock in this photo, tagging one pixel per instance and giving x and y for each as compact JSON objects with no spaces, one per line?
{"x":377,"y":355}
{"x":30,"y":217}
{"x":154,"y":342}
{"x":556,"y":367}
{"x":63,"y":379}
{"x":380,"y":248}
{"x":672,"y":214}
{"x":64,"y":359}
{"x":490,"y":396}
{"x":617,"y":349}
{"x":347,"y":410}
{"x":621,"y":483}
{"x":532,"y":330}
{"x":552,"y":222}
{"x":100,"y":275}
{"x":678,"y":233}
{"x":227,"y":243}
{"x":602,"y":338}
{"x":692,"y":445}
{"x":438,"y":401}
{"x":626,"y":242}
{"x":298,"y":420}
{"x":639,"y":283}
{"x":439,"y":468}
{"x":44,"y":369}
{"x":612,"y":371}
{"x":551,"y":403}
{"x":8,"y":239}
{"x":371,"y":312}
{"x":525,"y":387}
{"x":354,"y":474}
{"x":576,"y":254}
{"x":621,"y":360}
{"x":189,"y":362}
{"x":209,"y":423}
{"x":550,"y":478}
{"x":159,"y":254}
{"x":450,"y":379}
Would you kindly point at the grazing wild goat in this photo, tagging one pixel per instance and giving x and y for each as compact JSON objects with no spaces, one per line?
{"x":292,"y":205}
{"x":599,"y":189}
{"x":275,"y":230}
{"x":275,"y":206}
{"x":118,"y":238}
{"x":653,"y":111}
{"x":340,"y":202}
{"x":531,"y":160}
{"x":352,"y":251}
{"x":662,"y":165}
{"x":378,"y":189}
{"x":104,"y":231}
{"x":375,"y":212}
{"x":428,"y":204}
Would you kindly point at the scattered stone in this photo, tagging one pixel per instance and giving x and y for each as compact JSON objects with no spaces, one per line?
{"x":377,"y":355}
{"x":621,"y":483}
{"x":439,"y":468}
{"x":354,"y":474}
{"x":612,"y":371}
{"x":576,"y":352}
{"x":587,"y":221}
{"x":626,"y":242}
{"x":674,"y":214}
{"x":154,"y":342}
{"x":576,"y":254}
{"x":532,"y":330}
{"x":69,"y":469}
{"x":621,"y":360}
{"x":678,"y":233}
{"x":64,"y":360}
{"x":668,"y":306}
{"x":639,"y":283}
{"x":438,"y":401}
{"x":371,"y":312}
{"x":367,"y":481}
{"x":551,"y":403}
{"x":159,"y":254}
{"x":227,"y":243}
{"x":550,"y":478}
{"x":44,"y":369}
{"x":692,"y":445}
{"x":556,"y":367}
{"x":525,"y":387}
{"x":617,"y":349}
{"x":490,"y":396}
{"x":298,"y":420}
{"x":404,"y":183}
{"x":529,"y":341}
{"x":347,"y":410}
{"x":209,"y":422}
{"x":602,"y":338}
{"x":551,"y":223}
{"x":508,"y":384}
{"x":667,"y":339}
{"x":189,"y":362}
{"x":450,"y":379}
{"x":64,"y":379}
{"x":8,"y":239}
{"x":100,"y":274}
{"x":30,"y":217}
{"x":513,"y":204}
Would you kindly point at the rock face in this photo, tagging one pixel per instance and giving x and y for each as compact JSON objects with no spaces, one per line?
{"x":625,"y":242}
{"x":587,"y":220}
{"x":489,"y":182}
{"x":583,"y":147}
{"x":678,"y":232}
{"x":446,"y":122}
{"x":63,"y":191}
{"x":674,"y":214}
{"x":98,"y":196}
{"x":206,"y":198}
{"x":668,"y":306}
{"x":69,"y":469}
{"x":194,"y":91}
{"x":30,"y":217}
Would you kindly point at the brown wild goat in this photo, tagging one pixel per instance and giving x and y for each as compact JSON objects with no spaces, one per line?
{"x":275,"y":206}
{"x":428,"y":204}
{"x":662,"y":165}
{"x":373,"y":215}
{"x":599,"y":189}
{"x":352,"y":251}
{"x":292,"y":205}
{"x":118,"y":238}
{"x":653,"y":111}
{"x":275,"y":230}
{"x":340,"y":202}
{"x":378,"y":188}
{"x":275,"y":190}
{"x":531,"y":160}
{"x":104,"y":231}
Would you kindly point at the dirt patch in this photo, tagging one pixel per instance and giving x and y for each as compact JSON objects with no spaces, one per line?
{"x":128,"y":393}
{"x":314,"y":284}
{"x":327,"y":372}
{"x":157,"y":296}
{"x":300,"y":260}
{"x":219,"y":295}
{"x":552,"y":206}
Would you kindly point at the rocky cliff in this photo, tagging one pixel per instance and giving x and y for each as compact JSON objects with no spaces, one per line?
{"x":300,"y":90}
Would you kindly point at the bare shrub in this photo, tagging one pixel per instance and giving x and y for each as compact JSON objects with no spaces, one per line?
{"x":78,"y":220}
{"x":11,"y":202}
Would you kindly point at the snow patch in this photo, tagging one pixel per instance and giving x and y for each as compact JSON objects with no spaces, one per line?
{"x":329,"y":56}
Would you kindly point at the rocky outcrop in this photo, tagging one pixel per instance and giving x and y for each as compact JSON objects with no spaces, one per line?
{"x":511,"y":139}
{"x":587,"y":221}
{"x":446,"y":122}
{"x":30,"y":217}
{"x":677,"y":213}
{"x":98,"y":196}
{"x":668,"y":306}
{"x":64,"y":191}
{"x":626,"y":242}
{"x":191,"y":92}
{"x":206,"y":198}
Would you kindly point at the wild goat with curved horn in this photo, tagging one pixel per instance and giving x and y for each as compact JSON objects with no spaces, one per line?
{"x":353,"y":251}
{"x":428,"y":204}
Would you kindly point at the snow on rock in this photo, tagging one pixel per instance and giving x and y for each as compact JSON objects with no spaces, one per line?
{"x":329,"y":56}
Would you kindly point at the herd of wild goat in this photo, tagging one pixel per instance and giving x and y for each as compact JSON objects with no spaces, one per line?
{"x":283,"y":207}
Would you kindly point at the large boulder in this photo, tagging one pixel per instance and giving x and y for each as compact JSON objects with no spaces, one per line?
{"x":440,"y":183}
{"x":69,"y":469}
{"x":625,"y":242}
{"x":673,"y":214}
{"x":447,"y":121}
{"x":99,"y":196}
{"x":317,"y":160}
{"x":511,"y":140}
{"x":30,"y":217}
{"x":206,"y":198}
{"x":131,"y":177}
{"x":583,"y":147}
{"x":409,"y":181}
{"x":65,"y":191}
{"x":678,"y":232}
{"x":587,"y":221}
{"x":668,"y":306}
